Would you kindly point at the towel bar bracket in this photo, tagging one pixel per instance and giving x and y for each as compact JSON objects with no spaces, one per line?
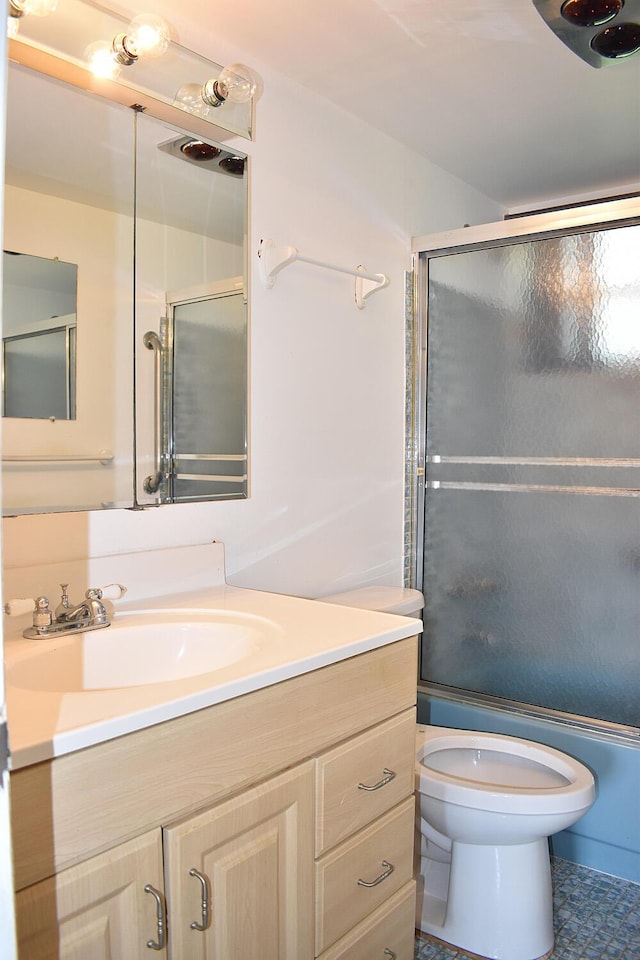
{"x":274,"y":257}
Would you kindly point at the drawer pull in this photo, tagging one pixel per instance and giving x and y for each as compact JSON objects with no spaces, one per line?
{"x":204,"y":883}
{"x":389,"y":868}
{"x":389,"y":775}
{"x":390,"y":953}
{"x":161,"y":919}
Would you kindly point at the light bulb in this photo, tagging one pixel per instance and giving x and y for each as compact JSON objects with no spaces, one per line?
{"x":189,"y":98}
{"x":239,"y":83}
{"x":147,"y":36}
{"x":102,"y":60}
{"x":236,"y":83}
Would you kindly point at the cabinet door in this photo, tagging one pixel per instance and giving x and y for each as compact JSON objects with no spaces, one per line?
{"x":98,"y":910}
{"x":252,"y":894}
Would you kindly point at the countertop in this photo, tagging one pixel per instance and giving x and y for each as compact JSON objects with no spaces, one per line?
{"x":300,"y":635}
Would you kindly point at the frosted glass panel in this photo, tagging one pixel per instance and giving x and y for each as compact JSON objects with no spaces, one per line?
{"x":532,"y":518}
{"x":209,"y":398}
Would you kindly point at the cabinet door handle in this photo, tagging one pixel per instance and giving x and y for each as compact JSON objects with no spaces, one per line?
{"x":204,"y":884}
{"x":390,"y":953}
{"x":389,"y":868}
{"x":161,"y":919}
{"x":389,"y":775}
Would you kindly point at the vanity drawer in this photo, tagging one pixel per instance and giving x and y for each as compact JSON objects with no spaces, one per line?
{"x":381,"y":759}
{"x":388,"y":933}
{"x":341,"y":901}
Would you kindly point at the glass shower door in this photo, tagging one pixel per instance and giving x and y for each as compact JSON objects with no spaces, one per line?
{"x":532,"y":473}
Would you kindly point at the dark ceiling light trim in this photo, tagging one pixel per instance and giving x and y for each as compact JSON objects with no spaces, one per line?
{"x":601,"y":32}
{"x":207,"y":156}
{"x":587,"y":13}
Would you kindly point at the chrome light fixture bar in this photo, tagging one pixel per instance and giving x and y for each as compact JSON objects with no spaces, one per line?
{"x":600,"y":32}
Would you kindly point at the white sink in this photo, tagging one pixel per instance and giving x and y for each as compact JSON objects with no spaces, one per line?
{"x":141,"y":648}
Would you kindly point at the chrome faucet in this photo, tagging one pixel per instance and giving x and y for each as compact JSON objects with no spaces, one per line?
{"x":89,"y":614}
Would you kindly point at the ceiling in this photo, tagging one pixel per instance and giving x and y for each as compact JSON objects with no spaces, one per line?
{"x":483,"y":88}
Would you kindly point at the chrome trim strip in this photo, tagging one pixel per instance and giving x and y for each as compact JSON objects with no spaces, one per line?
{"x":532,"y":488}
{"x":606,"y":729}
{"x":222,"y":478}
{"x":539,"y":461}
{"x":211,"y":456}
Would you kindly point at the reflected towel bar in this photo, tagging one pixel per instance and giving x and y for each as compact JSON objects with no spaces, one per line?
{"x":274,"y":257}
{"x":105,"y":457}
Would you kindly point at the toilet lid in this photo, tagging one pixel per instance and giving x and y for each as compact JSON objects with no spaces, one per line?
{"x":493,"y":768}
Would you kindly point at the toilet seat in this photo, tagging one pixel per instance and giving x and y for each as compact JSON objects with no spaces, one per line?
{"x":500,"y":773}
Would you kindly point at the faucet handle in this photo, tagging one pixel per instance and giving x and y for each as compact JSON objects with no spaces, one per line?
{"x":112,"y":591}
{"x":15,"y":608}
{"x":42,"y":616}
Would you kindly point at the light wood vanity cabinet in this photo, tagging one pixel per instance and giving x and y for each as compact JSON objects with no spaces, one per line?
{"x":268,"y":809}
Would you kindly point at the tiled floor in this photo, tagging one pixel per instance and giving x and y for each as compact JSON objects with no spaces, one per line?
{"x":597,"y":917}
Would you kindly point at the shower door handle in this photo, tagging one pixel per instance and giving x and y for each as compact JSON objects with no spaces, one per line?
{"x":152,"y":341}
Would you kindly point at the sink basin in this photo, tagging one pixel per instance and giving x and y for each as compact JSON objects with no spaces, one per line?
{"x":142,"y":648}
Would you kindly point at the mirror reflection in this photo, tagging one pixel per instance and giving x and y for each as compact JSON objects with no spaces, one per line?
{"x":39,"y":337}
{"x":191,"y":318}
{"x":180,"y":238}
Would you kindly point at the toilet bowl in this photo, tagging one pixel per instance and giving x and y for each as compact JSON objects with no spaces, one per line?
{"x":487,"y":805}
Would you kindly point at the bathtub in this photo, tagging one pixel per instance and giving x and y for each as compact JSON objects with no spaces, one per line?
{"x":607,"y":838}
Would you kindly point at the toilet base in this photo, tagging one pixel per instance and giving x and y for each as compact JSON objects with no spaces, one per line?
{"x":499,"y":901}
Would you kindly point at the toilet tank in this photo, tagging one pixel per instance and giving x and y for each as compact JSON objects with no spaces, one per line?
{"x":398,"y":600}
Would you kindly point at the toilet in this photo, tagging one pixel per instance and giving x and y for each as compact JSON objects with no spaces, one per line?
{"x":486,"y":805}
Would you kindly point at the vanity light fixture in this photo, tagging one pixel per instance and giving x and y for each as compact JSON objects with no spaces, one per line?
{"x":601,"y":32}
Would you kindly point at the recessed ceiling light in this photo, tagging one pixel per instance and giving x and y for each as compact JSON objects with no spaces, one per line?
{"x":590,"y":13}
{"x":600,"y":32}
{"x":200,"y":151}
{"x":620,"y":40}
{"x":232,"y":165}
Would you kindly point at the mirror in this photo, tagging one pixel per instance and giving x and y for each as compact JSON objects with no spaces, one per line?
{"x":109,"y":191}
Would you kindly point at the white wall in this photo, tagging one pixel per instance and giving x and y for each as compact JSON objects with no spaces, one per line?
{"x":327,"y":380}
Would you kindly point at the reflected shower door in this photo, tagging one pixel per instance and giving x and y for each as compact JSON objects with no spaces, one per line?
{"x":532,"y":503}
{"x":208,"y":399}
